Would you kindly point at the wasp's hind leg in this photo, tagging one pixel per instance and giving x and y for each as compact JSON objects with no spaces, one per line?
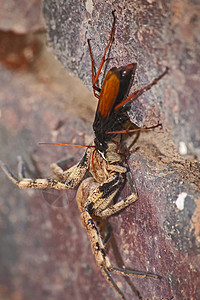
{"x":95,"y":75}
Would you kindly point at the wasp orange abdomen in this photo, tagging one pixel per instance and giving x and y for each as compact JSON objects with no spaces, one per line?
{"x":109,"y":92}
{"x":115,"y":88}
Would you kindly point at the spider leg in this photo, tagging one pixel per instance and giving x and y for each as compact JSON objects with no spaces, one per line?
{"x":99,"y":202}
{"x":124,"y":202}
{"x":102,"y":259}
{"x":99,"y":251}
{"x":118,"y":206}
{"x":8,"y":173}
{"x":66,"y":179}
{"x":95,"y":202}
{"x":75,"y":174}
{"x":126,"y":272}
{"x":25,"y":183}
{"x":21,"y":168}
{"x":103,"y":195}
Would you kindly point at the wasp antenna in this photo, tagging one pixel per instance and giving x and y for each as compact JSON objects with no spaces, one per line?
{"x":68,"y":145}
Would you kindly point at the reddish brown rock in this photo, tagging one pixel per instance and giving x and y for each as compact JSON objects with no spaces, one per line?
{"x":45,"y":252}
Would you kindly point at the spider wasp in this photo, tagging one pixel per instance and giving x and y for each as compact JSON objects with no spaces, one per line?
{"x":104,"y":160}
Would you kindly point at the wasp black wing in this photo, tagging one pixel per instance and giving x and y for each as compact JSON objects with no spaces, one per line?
{"x":115,"y":89}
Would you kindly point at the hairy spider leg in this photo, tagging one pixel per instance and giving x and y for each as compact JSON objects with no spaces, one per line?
{"x":68,"y":179}
{"x":88,"y":220}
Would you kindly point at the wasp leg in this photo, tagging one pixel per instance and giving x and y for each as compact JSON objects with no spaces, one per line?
{"x":94,"y":75}
{"x":138,"y":93}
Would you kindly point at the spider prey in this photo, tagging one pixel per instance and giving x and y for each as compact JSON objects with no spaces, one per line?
{"x":104,"y":160}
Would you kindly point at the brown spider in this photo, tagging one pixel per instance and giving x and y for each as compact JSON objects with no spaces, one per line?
{"x":104,"y":161}
{"x":94,"y":197}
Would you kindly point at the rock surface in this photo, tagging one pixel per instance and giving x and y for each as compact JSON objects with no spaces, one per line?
{"x":45,"y":251}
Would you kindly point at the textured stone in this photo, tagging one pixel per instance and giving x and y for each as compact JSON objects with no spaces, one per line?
{"x":45,"y":252}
